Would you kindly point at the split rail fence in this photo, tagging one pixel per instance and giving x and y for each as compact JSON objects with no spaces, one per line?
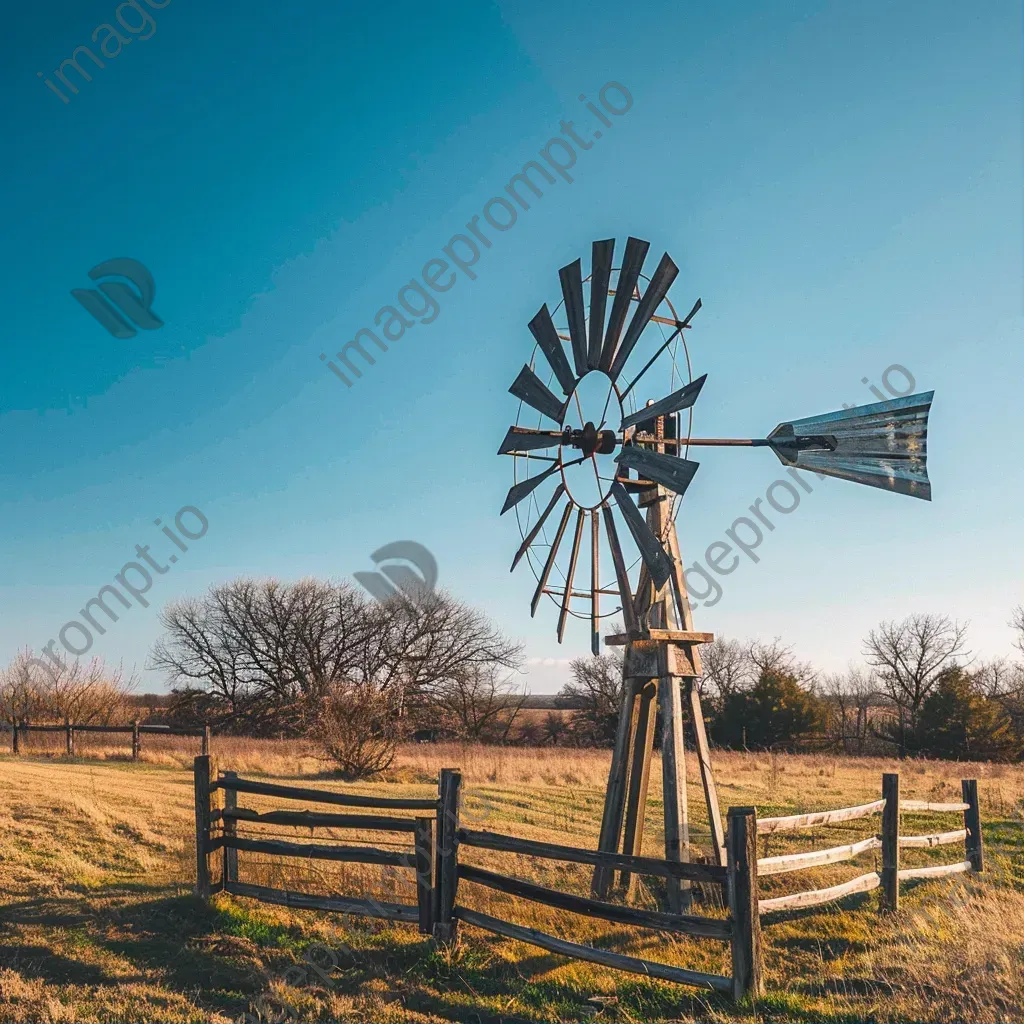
{"x":889,"y":841}
{"x":440,"y":875}
{"x":20,"y":733}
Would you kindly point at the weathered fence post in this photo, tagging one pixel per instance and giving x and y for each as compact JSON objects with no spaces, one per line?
{"x":230,"y":829}
{"x":891,"y":841}
{"x":206,"y":739}
{"x":741,"y":861}
{"x":69,"y":739}
{"x":202,"y":771}
{"x":425,"y":853}
{"x":972,"y":822}
{"x":136,"y":740}
{"x":447,"y":873}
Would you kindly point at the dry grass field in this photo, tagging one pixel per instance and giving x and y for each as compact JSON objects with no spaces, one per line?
{"x":98,"y":923}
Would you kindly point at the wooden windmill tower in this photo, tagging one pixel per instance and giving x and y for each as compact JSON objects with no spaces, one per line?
{"x":617,"y":455}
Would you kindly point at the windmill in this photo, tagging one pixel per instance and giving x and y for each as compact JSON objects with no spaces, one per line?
{"x":582,"y":432}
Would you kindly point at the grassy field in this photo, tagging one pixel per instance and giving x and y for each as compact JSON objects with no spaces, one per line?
{"x":98,"y":923}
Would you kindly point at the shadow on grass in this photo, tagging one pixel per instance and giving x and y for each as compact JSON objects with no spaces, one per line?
{"x":176,"y":941}
{"x":41,"y":963}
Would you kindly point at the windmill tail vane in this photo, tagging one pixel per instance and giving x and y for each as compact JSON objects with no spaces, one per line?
{"x":882,"y":445}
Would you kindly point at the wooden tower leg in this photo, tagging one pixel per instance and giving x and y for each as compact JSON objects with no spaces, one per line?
{"x":707,"y":778}
{"x":615,"y":798}
{"x":673,"y":772}
{"x":639,"y":776}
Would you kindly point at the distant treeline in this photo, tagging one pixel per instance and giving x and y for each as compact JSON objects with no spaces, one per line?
{"x":319,"y":659}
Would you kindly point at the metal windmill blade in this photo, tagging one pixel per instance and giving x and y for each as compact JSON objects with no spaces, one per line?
{"x":882,"y":445}
{"x":668,"y":470}
{"x":534,"y":392}
{"x":676,"y":402}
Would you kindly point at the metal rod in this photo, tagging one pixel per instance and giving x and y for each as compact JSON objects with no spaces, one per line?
{"x":739,"y":442}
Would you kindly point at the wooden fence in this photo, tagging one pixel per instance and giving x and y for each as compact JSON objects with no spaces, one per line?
{"x":435,"y":859}
{"x":20,"y":733}
{"x":889,"y":841}
{"x":217,"y":822}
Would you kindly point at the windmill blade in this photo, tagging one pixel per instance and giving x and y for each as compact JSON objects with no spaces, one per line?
{"x":621,"y":574}
{"x":677,"y":401}
{"x":629,"y":274}
{"x":681,"y":325}
{"x":600,"y":274}
{"x":534,"y":392}
{"x":668,"y":470}
{"x":518,"y":491}
{"x":571,"y":278}
{"x":538,"y":526}
{"x":567,"y":593}
{"x":595,"y":584}
{"x":882,"y":445}
{"x":523,"y":439}
{"x":549,"y":563}
{"x":651,"y":551}
{"x":543,"y":330}
{"x":656,"y":291}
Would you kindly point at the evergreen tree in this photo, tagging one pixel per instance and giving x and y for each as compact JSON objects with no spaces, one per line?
{"x":957,"y":722}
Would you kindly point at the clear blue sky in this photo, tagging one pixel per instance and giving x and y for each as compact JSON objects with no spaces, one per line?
{"x":840,"y":183}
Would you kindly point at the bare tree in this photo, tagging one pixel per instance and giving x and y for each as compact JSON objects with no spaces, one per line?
{"x":22,"y":689}
{"x":1017,"y":622}
{"x":1002,"y":681}
{"x":909,"y":657}
{"x":479,"y":702}
{"x":775,"y":657}
{"x":850,"y":697}
{"x":596,"y":691}
{"x":266,"y":654}
{"x":357,"y":726}
{"x":88,"y":693}
{"x":727,"y":668}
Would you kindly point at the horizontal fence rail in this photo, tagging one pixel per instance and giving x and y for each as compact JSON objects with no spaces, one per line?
{"x":814,"y":858}
{"x":796,"y":821}
{"x":324,"y":796}
{"x":315,"y":851}
{"x":935,"y":839}
{"x":303,"y":901}
{"x":814,"y":897}
{"x":71,"y":730}
{"x":317,"y":819}
{"x":935,"y":871}
{"x":619,"y":961}
{"x":552,"y":851}
{"x":924,"y":805}
{"x":684,"y":924}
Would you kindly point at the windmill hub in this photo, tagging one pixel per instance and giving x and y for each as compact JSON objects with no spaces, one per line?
{"x":590,"y":440}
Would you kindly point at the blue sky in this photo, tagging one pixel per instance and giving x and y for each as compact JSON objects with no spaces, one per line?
{"x":839,"y":183}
